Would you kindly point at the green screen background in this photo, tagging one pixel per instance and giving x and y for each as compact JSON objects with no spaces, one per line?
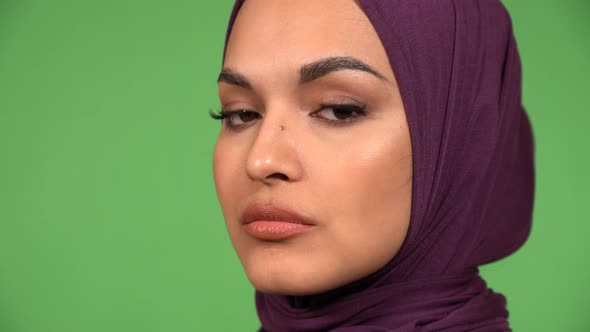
{"x":108,"y":215}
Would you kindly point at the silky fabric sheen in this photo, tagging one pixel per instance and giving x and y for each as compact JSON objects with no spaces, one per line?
{"x":459,"y":74}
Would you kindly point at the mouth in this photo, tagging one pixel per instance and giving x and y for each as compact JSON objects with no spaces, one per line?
{"x":272,"y":223}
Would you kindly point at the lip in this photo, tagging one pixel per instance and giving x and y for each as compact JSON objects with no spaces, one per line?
{"x":273,"y":223}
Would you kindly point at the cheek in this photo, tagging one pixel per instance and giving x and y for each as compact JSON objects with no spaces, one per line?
{"x":369,"y":169}
{"x":219,"y":171}
{"x":367,"y":189}
{"x":226,"y":162}
{"x":228,"y":185}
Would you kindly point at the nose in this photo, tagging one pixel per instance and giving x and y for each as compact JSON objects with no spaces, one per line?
{"x":272,"y":157}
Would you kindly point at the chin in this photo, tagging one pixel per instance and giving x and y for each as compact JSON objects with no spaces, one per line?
{"x":286,"y":284}
{"x":285,"y":276}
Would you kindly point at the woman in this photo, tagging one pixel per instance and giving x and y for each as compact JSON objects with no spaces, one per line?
{"x":372,"y":155}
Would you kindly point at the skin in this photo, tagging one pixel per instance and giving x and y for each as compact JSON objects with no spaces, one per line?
{"x":352,"y":177}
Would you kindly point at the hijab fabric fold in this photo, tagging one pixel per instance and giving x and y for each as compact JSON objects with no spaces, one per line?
{"x":459,"y":73}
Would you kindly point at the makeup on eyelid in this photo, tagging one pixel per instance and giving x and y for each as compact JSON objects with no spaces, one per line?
{"x":333,"y":100}
{"x":336,"y":108}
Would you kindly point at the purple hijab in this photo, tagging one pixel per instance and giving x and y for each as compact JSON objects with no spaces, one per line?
{"x":459,"y":73}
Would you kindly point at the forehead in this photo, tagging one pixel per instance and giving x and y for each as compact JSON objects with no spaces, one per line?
{"x":284,"y":34}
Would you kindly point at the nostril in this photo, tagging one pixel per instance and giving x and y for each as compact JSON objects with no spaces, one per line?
{"x":279,"y":176}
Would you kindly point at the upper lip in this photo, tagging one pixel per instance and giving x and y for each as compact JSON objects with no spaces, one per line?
{"x":270,"y":212}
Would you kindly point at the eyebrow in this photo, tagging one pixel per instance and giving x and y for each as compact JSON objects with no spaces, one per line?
{"x":317,"y":69}
{"x":232,"y":77}
{"x":308,"y":72}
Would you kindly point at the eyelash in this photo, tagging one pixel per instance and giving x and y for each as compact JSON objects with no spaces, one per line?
{"x":352,"y":108}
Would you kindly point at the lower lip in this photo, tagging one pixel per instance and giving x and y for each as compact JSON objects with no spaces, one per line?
{"x":275,"y":230}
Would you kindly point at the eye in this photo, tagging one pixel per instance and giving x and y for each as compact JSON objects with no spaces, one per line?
{"x":239,"y":118}
{"x":340,"y":113}
{"x":236,"y":119}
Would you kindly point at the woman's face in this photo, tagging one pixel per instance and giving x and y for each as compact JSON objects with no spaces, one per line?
{"x":322,"y":133}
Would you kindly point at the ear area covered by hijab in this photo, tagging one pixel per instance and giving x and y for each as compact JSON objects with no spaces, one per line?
{"x":459,"y":73}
